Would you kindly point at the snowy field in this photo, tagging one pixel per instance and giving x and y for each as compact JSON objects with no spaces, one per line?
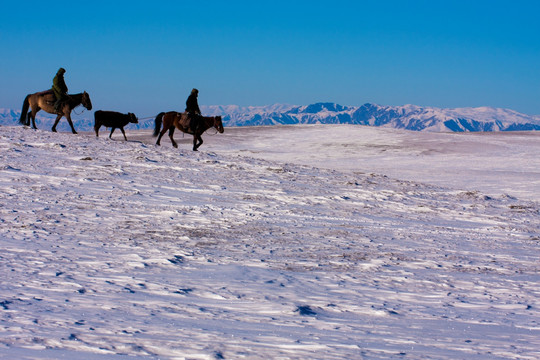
{"x":491,"y":162}
{"x":307,"y":242}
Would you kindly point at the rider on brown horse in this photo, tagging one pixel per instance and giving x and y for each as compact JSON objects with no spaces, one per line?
{"x":192,"y":108}
{"x":60,"y":89}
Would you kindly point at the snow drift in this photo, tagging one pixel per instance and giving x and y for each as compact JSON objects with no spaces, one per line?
{"x":112,"y":248}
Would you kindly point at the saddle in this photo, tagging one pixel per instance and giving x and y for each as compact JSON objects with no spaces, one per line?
{"x":182,"y":121}
{"x":48,"y":96}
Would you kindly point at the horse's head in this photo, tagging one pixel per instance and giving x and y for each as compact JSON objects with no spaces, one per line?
{"x":86,"y":101}
{"x":218,"y":124}
{"x":133,"y":118}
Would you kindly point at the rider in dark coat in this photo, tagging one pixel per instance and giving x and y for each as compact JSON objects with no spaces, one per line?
{"x":59,"y":88}
{"x":192,"y":108}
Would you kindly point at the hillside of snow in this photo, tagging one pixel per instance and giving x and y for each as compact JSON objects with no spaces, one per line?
{"x":408,"y":117}
{"x":271,"y":242}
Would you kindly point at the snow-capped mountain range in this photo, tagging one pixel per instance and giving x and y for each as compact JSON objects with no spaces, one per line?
{"x":409,"y":117}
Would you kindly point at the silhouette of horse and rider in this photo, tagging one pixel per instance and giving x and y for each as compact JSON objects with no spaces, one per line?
{"x":54,"y":101}
{"x":57,"y":101}
{"x":190,"y":122}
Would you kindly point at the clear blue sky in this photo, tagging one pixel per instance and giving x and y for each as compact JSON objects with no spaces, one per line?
{"x":145,"y":57}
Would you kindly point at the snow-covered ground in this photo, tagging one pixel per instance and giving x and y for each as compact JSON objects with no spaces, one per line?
{"x":319,"y":242}
{"x":493,"y":163}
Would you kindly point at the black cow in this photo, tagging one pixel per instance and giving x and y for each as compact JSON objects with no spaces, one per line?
{"x":113,"y":120}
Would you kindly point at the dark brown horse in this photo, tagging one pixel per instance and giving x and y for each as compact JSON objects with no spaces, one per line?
{"x":44,"y":100}
{"x":181,"y":121}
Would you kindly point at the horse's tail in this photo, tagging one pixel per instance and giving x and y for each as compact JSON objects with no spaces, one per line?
{"x":24,"y":112}
{"x":158,"y":121}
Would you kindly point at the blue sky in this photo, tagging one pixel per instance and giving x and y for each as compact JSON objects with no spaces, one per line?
{"x":145,"y":57}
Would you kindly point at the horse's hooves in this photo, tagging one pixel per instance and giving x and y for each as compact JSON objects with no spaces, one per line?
{"x":75,"y":132}
{"x":176,"y":146}
{"x":53,"y":130}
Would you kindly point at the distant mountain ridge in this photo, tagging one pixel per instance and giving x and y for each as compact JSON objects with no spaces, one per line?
{"x":409,"y":117}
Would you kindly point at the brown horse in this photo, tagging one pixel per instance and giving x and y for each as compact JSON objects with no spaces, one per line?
{"x":44,"y":100}
{"x":181,"y":121}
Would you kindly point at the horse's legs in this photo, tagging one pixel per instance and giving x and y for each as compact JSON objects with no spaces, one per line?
{"x":112,"y":130}
{"x":197,"y":141}
{"x":58,"y":117}
{"x":68,"y":117}
{"x":171,"y":133}
{"x":32,"y":115}
{"x":96,"y":129}
{"x":161,"y":135}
